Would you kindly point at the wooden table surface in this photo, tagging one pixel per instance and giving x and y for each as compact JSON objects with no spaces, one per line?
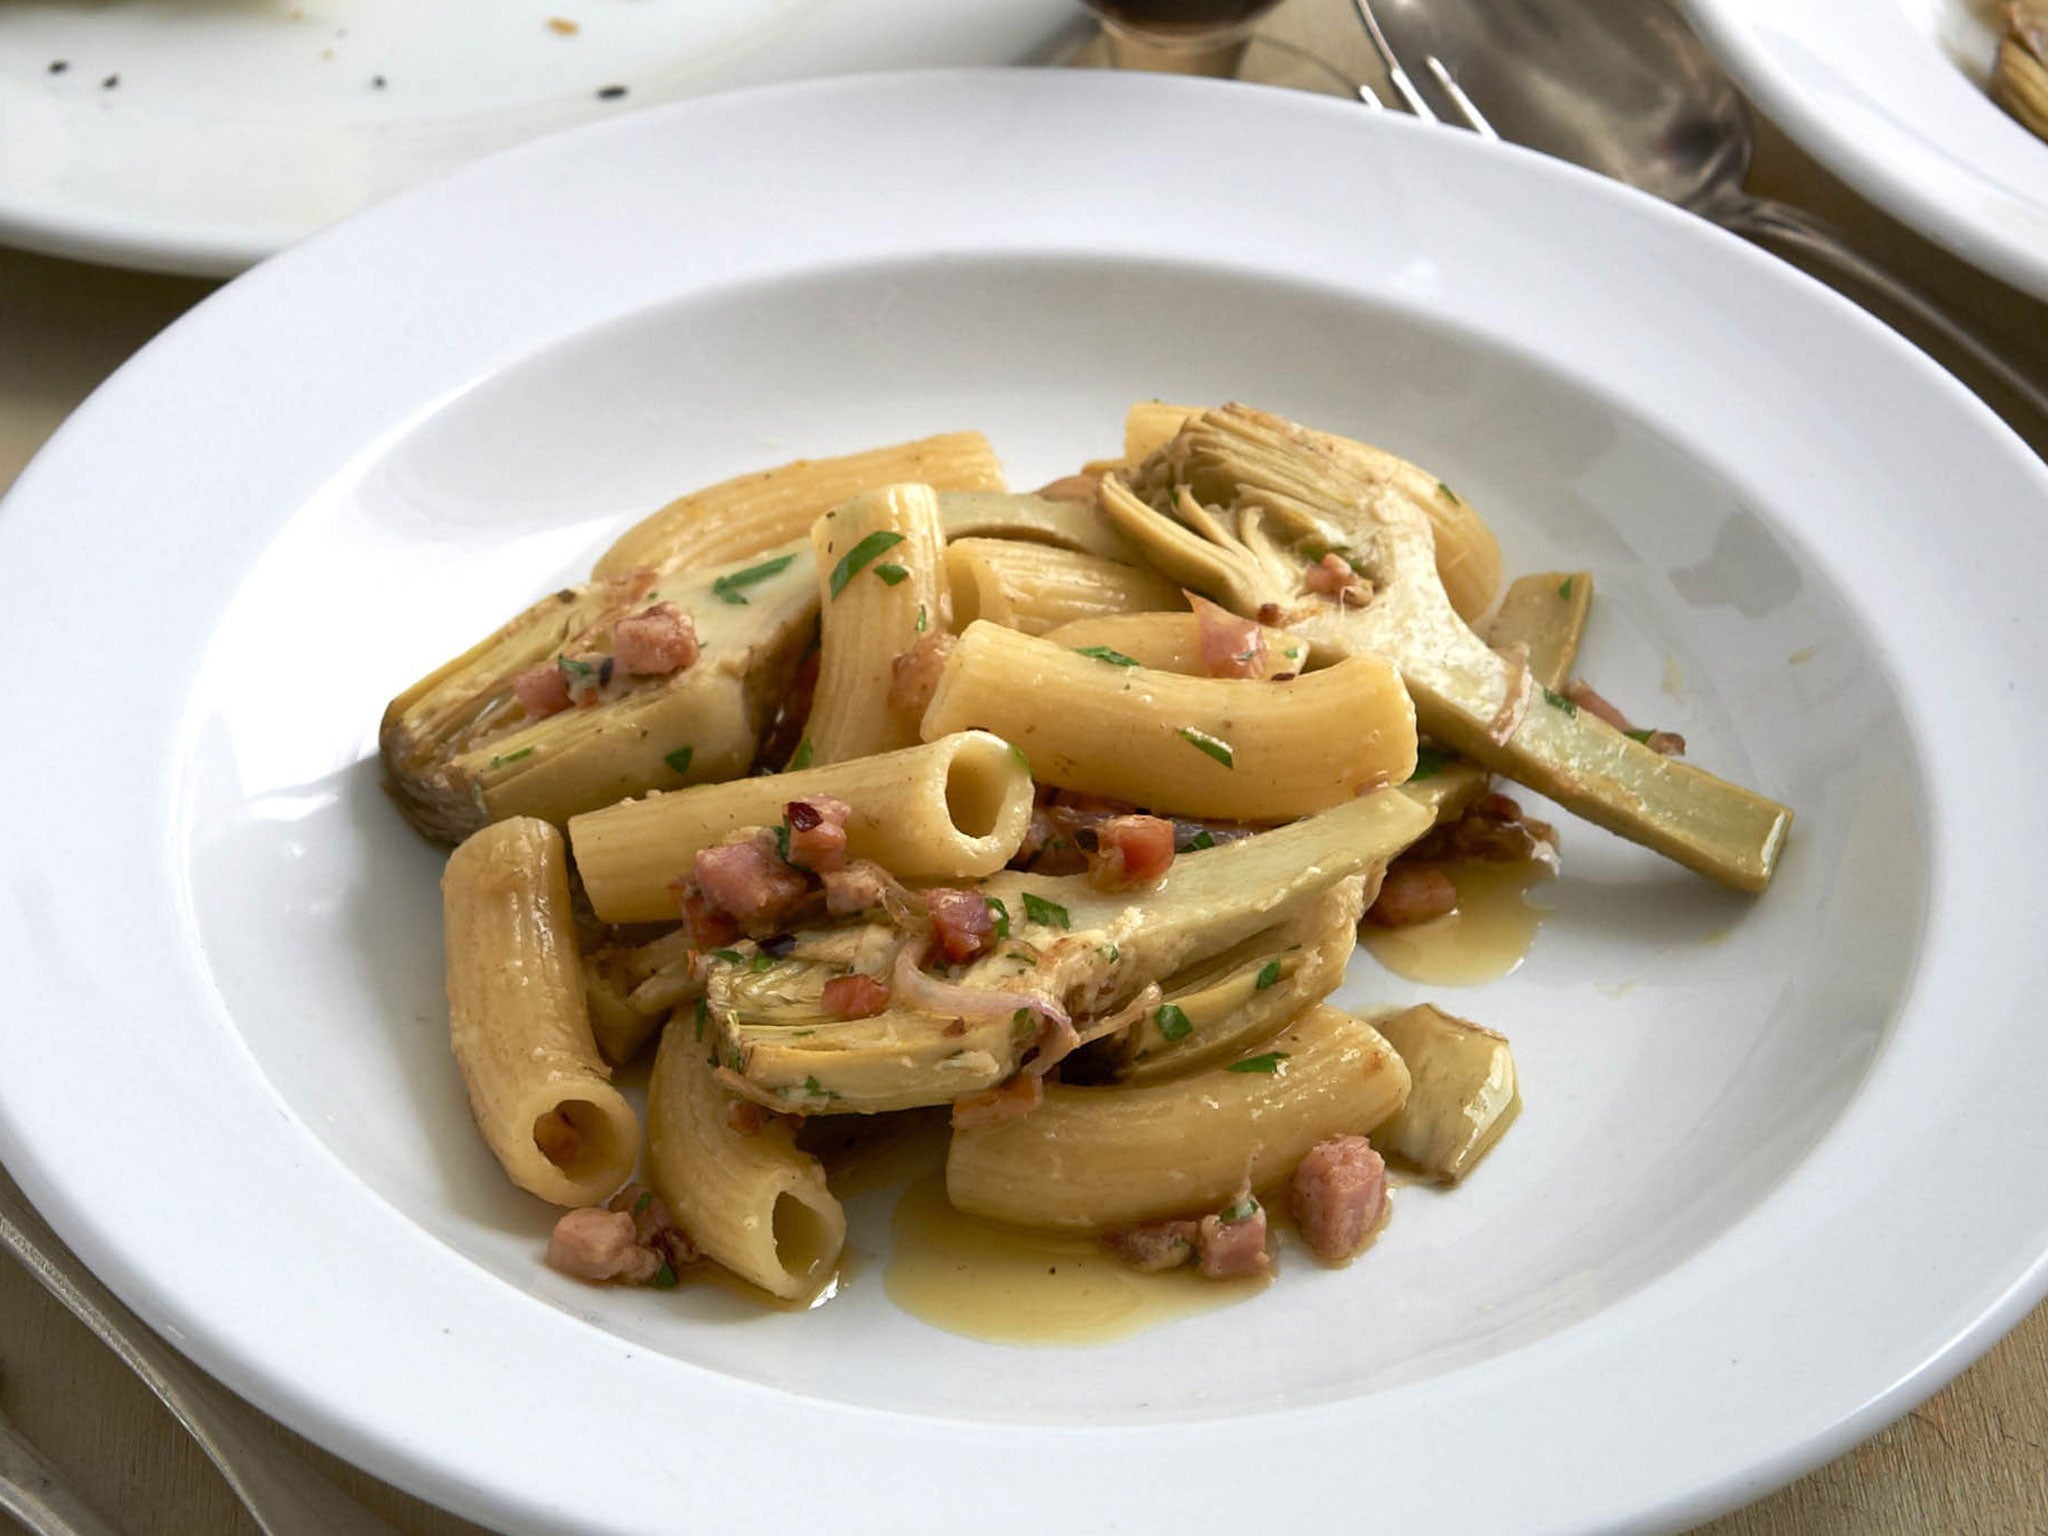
{"x":1973,"y":1461}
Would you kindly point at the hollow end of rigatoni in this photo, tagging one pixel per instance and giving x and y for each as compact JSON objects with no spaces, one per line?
{"x":987,"y":789}
{"x":809,"y":1234}
{"x":587,"y":1142}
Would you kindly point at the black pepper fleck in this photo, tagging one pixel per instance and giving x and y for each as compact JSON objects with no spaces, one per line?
{"x":110,"y":82}
{"x":377,"y":82}
{"x":58,"y":66}
{"x":611,"y":93}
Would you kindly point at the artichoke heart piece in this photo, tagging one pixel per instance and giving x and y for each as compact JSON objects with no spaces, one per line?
{"x":1070,"y":947}
{"x":1241,"y":505}
{"x":1076,"y":526}
{"x":460,"y":751}
{"x":1231,"y":1003}
{"x":1463,"y":1093}
{"x":2020,"y":81}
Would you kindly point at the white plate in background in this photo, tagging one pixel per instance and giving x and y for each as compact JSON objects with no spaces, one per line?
{"x":1890,"y":95}
{"x":1781,"y":1170}
{"x":200,"y":136}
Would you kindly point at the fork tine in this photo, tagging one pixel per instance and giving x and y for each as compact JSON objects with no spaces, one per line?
{"x":1474,"y":118}
{"x":1398,"y":76}
{"x":1371,"y":97}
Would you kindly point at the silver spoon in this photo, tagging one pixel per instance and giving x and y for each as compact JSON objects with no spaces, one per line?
{"x":1623,"y":87}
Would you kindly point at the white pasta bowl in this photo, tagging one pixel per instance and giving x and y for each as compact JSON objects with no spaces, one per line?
{"x":1781,"y":1170}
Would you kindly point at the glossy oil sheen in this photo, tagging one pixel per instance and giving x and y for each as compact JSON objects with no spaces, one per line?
{"x":1486,"y":937}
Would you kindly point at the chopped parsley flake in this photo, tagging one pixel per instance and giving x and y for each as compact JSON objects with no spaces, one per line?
{"x":729,"y":956}
{"x":730,"y":587}
{"x":512,"y":757}
{"x":818,"y":1090}
{"x":1559,"y":701}
{"x":922,"y":619}
{"x":680,"y":758}
{"x":703,"y":1016}
{"x":1244,"y":1210}
{"x":1429,"y":762}
{"x":1269,"y":974}
{"x":1104,"y":653}
{"x":857,"y":559}
{"x":665,"y":1278}
{"x":1172,"y":1021}
{"x":578,"y":674}
{"x":1201,"y":840}
{"x":761,"y":963}
{"x":646,"y":1199}
{"x":1002,"y":915}
{"x":782,"y":841}
{"x":1017,"y":752}
{"x":1448,"y":494}
{"x":801,"y":758}
{"x":1038,"y":910}
{"x":1564,"y":589}
{"x":1113,"y":952}
{"x":1642,"y":736}
{"x":1207,"y":745}
{"x":892,"y":575}
{"x":1268,"y":1063}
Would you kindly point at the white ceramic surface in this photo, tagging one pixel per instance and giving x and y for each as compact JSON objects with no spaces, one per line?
{"x":1781,"y":1170}
{"x":1890,"y":96}
{"x":201,"y":136}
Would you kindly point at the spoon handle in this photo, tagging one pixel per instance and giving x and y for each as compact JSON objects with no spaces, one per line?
{"x":1784,"y":228}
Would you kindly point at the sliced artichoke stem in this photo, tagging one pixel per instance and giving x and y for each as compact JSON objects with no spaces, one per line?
{"x":1449,"y":789}
{"x":1266,"y":474}
{"x":1069,"y":525}
{"x":1463,"y":1092}
{"x":1545,"y":614}
{"x":773,"y":1030}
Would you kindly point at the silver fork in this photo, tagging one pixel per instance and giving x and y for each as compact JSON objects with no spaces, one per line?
{"x":285,"y":1496}
{"x":1625,"y":88}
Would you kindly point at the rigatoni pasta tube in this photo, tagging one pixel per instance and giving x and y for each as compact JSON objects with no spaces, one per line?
{"x":957,"y":807}
{"x":1091,"y":1158}
{"x":519,"y":1023}
{"x":1170,"y":642}
{"x":750,"y":513}
{"x":1037,"y":587}
{"x":881,"y":585}
{"x":1230,"y":748}
{"x":755,"y":1203}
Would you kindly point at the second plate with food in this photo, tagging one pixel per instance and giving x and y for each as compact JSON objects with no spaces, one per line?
{"x":1684,"y":1273}
{"x":1893,"y":96}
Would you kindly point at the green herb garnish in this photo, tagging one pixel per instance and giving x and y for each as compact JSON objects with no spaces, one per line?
{"x":1038,"y":910}
{"x":1559,"y":701}
{"x":578,"y":674}
{"x":1104,"y":653}
{"x":729,"y":587}
{"x":761,"y":963}
{"x":1564,"y":589}
{"x":1642,"y":736}
{"x":1201,"y":840}
{"x":782,"y":841}
{"x":680,"y":758}
{"x":856,"y":559}
{"x":729,"y":956}
{"x":1448,"y":494}
{"x":1429,"y":762}
{"x":892,"y":575}
{"x":646,"y":1199}
{"x":1172,"y":1021}
{"x":1207,"y":745}
{"x":703,"y":1016}
{"x":801,"y":758}
{"x":1269,"y":974}
{"x":512,"y":757}
{"x":665,"y":1278}
{"x":922,"y":620}
{"x":1244,"y":1210}
{"x":1002,"y":914}
{"x":1017,"y":752}
{"x":1268,"y":1063}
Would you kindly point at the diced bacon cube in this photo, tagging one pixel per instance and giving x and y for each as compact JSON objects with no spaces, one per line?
{"x":817,"y":832}
{"x":746,"y":878}
{"x":1338,"y":1195}
{"x":655,"y":641}
{"x":1412,"y":893}
{"x":1232,"y":1245}
{"x":961,"y":922}
{"x":1127,"y":851}
{"x":854,"y":997}
{"x":1231,"y":646}
{"x":1154,"y":1246}
{"x":541,"y":691}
